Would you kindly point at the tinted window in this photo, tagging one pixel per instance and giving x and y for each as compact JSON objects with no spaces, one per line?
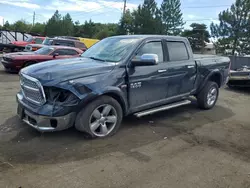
{"x":66,"y":52}
{"x":151,"y":48}
{"x":44,"y":51}
{"x":72,"y":52}
{"x":38,"y":41}
{"x":64,"y":43}
{"x":81,"y":45}
{"x":177,"y":51}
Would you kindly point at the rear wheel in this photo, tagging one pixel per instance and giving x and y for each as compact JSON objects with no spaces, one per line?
{"x":208,"y":96}
{"x":100,"y":118}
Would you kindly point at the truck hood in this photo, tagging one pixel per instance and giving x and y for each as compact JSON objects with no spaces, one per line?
{"x":50,"y":73}
{"x":37,"y":45}
{"x":20,"y":43}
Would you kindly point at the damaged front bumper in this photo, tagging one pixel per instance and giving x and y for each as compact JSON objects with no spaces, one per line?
{"x":43,"y":122}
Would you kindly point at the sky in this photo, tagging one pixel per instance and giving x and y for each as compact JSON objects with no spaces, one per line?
{"x":104,"y":11}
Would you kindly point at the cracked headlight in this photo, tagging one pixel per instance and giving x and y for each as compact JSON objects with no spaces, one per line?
{"x":60,"y":96}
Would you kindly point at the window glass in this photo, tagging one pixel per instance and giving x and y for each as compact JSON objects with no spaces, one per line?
{"x":44,"y":51}
{"x":81,"y":45}
{"x":151,"y":48}
{"x":66,"y":52}
{"x":111,"y":49}
{"x":38,"y":41}
{"x":177,"y":51}
{"x":72,"y":52}
{"x":61,"y":52}
{"x":64,"y":43}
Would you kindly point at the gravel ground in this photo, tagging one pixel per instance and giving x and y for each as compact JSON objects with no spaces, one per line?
{"x":183,"y":147}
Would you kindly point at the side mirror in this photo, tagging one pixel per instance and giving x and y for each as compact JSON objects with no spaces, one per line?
{"x":55,"y":54}
{"x":146,"y":60}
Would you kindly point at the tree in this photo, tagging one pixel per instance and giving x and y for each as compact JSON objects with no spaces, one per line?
{"x":67,"y":25}
{"x":21,"y":26}
{"x":198,"y":36}
{"x":234,"y":28}
{"x":125,"y":25}
{"x":38,"y":28}
{"x":7,"y":26}
{"x":147,"y":19}
{"x":171,"y":15}
{"x":54,"y":25}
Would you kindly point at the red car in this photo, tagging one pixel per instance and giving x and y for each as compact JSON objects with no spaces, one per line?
{"x":13,"y":62}
{"x":29,"y":40}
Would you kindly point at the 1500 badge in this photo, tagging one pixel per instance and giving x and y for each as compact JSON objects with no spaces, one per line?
{"x":135,"y":85}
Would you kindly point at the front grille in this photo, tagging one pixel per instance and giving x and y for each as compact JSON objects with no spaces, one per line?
{"x":32,"y":90}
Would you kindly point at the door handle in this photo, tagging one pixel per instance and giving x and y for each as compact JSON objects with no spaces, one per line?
{"x":190,"y":66}
{"x":162,"y":70}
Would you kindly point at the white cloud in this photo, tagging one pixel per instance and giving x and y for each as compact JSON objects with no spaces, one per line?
{"x":87,"y":6}
{"x":73,"y":6}
{"x":21,"y":3}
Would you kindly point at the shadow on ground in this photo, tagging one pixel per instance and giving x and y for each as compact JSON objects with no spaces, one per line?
{"x":30,"y":146}
{"x":241,"y":90}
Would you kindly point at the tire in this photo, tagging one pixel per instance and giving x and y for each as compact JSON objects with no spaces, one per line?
{"x":95,"y":115}
{"x":210,"y":91}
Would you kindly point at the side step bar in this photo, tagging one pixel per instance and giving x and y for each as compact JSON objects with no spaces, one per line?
{"x":162,"y":108}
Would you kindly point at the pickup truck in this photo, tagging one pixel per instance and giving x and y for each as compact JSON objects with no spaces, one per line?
{"x":118,"y":76}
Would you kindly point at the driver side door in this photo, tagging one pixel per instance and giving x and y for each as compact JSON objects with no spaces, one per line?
{"x":148,"y":84}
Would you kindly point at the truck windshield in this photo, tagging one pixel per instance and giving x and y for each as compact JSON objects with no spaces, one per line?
{"x":29,"y":39}
{"x":111,"y":49}
{"x":47,"y":41}
{"x":44,"y":51}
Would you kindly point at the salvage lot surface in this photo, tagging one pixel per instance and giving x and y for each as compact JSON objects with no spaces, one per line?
{"x":183,"y":147}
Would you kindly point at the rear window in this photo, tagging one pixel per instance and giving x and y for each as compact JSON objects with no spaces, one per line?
{"x":177,"y":51}
{"x":80,"y":45}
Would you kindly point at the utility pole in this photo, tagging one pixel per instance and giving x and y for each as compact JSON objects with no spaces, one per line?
{"x":34,"y":18}
{"x":124,"y":8}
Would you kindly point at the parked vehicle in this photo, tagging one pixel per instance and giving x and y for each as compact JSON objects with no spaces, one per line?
{"x":239,"y":77}
{"x":118,"y":76}
{"x":87,"y":41}
{"x":58,"y":42}
{"x":13,"y":62}
{"x":29,"y":40}
{"x":8,"y":43}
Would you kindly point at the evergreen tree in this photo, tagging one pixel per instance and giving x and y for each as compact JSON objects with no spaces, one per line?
{"x":146,"y":18}
{"x":233,"y":31}
{"x":54,"y":25}
{"x":197,"y":36}
{"x":67,"y":25}
{"x":126,"y":23}
{"x":172,"y":17}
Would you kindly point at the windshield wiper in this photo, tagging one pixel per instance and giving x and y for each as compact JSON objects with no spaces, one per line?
{"x":98,"y":59}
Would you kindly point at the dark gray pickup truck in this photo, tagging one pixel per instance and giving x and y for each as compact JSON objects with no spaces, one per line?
{"x":118,"y":76}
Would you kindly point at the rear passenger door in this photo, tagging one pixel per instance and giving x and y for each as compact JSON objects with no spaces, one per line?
{"x":181,"y":69}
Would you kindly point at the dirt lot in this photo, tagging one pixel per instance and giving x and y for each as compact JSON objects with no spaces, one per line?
{"x":184,"y":147}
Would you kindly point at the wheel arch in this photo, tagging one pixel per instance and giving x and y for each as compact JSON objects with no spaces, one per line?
{"x":214,"y":76}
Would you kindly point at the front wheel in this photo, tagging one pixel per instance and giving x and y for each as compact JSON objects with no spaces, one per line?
{"x":208,"y":96}
{"x":100,"y":118}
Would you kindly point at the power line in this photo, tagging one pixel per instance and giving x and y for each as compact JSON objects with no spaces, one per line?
{"x":209,"y":6}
